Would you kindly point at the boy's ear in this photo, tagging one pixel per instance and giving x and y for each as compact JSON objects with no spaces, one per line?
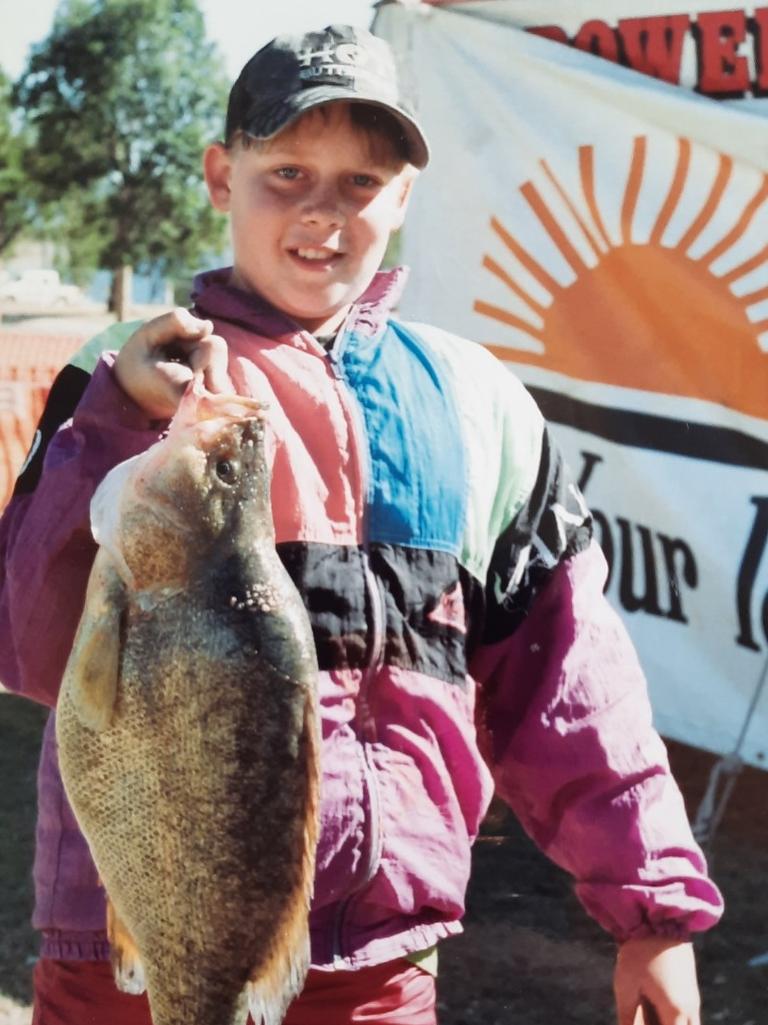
{"x":408,"y":178}
{"x":217,"y":168}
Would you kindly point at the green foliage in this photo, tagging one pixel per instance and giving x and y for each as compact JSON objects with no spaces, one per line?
{"x":121,"y":98}
{"x":15,"y":199}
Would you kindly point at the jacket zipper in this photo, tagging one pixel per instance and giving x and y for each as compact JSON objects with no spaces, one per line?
{"x":364,"y":717}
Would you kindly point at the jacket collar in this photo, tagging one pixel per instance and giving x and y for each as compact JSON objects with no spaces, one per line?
{"x":214,"y":296}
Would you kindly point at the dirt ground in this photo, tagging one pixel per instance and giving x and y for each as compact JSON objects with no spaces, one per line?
{"x":529,"y":955}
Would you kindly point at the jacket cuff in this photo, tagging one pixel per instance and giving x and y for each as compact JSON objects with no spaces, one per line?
{"x":673,"y":930}
{"x":677,"y":910}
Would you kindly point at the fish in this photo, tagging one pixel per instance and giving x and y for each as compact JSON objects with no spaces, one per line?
{"x":187,"y":725}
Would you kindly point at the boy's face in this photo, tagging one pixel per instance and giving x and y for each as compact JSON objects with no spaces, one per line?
{"x":311,"y":213}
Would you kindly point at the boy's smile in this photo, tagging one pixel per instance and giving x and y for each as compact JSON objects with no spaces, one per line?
{"x":311,"y":213}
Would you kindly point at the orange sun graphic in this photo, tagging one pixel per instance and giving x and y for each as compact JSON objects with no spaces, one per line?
{"x":644,"y":315}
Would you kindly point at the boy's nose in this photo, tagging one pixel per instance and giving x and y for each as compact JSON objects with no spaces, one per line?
{"x":323,"y":207}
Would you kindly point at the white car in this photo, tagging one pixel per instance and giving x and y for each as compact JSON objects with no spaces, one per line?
{"x":41,"y":288}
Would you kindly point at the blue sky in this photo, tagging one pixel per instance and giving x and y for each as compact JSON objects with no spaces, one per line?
{"x":238,"y":27}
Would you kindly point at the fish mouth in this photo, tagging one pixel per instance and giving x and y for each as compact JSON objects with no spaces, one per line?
{"x":230,"y":438}
{"x":198,"y":405}
{"x":239,"y":408}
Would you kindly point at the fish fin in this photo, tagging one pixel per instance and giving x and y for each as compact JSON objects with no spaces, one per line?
{"x":127,"y":965}
{"x":282,"y":977}
{"x":241,"y":1013}
{"x":90,"y":678}
{"x":269,"y":999}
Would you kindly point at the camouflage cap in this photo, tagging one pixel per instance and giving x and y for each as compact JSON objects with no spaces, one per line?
{"x":292,"y":74}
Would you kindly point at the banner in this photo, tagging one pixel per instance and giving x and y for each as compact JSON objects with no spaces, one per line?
{"x":602,"y":226}
{"x":716,"y":49}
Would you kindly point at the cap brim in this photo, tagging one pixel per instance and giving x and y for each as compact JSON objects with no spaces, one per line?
{"x":418,"y":150}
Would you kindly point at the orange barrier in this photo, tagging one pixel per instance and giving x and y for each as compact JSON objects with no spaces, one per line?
{"x":28,"y":365}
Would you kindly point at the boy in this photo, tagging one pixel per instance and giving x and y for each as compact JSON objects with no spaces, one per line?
{"x":444,"y":557}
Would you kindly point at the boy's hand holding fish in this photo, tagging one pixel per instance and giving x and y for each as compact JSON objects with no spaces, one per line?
{"x":157,"y":363}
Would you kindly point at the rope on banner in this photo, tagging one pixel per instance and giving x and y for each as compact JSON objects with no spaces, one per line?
{"x":722,"y":778}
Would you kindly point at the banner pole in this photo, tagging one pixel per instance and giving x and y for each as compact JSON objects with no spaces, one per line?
{"x":722,"y":777}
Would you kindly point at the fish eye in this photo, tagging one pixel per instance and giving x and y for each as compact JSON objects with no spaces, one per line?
{"x":226,"y":470}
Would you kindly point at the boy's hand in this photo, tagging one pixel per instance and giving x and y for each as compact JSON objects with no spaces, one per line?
{"x":655,"y":983}
{"x":157,"y":362}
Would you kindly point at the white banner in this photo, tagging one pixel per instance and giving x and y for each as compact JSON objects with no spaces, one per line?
{"x":605,"y":231}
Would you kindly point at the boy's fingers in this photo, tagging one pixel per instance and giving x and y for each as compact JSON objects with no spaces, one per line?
{"x":178,"y":325}
{"x":647,"y":1014}
{"x":629,"y":1013}
{"x":164,"y":355}
{"x":177,"y":375}
{"x":210,"y":357}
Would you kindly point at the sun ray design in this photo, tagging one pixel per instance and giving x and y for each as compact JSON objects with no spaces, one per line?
{"x":587,"y":169}
{"x":733,"y":236}
{"x":674,"y":194}
{"x":596,"y":244}
{"x":725,"y":167}
{"x":646,"y":315}
{"x":632,"y":191}
{"x":535,"y":201}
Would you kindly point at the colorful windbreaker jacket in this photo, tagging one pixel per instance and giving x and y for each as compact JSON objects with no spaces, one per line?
{"x":456,"y":598}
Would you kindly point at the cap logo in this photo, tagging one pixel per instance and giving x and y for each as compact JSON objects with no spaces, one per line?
{"x":350,"y":53}
{"x":348,"y":62}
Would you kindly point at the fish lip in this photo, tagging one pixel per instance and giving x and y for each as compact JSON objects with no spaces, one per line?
{"x":198,"y":405}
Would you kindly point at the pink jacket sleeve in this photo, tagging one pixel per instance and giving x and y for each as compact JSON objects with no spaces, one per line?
{"x":566,"y":727}
{"x":46,"y":549}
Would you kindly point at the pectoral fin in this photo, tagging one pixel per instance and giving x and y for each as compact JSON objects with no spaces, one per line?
{"x":126,"y":962}
{"x":91,"y":675}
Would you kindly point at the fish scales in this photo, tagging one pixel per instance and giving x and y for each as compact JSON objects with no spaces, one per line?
{"x":187,"y":727}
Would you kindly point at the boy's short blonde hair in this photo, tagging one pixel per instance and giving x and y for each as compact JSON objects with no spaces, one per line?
{"x":386,"y":142}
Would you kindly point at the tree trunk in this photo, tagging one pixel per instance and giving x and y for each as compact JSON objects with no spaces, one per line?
{"x":120,"y":299}
{"x":8,"y":236}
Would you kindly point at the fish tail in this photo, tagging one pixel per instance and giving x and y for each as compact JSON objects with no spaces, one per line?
{"x":282,"y":977}
{"x":126,"y":962}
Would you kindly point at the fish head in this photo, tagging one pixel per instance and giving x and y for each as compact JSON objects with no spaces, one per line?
{"x":205,"y":481}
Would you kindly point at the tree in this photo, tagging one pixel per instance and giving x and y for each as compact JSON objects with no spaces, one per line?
{"x":121,"y":98}
{"x":15,"y":199}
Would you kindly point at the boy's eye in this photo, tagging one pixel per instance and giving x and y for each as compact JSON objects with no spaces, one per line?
{"x":363,"y":180}
{"x":288,"y":173}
